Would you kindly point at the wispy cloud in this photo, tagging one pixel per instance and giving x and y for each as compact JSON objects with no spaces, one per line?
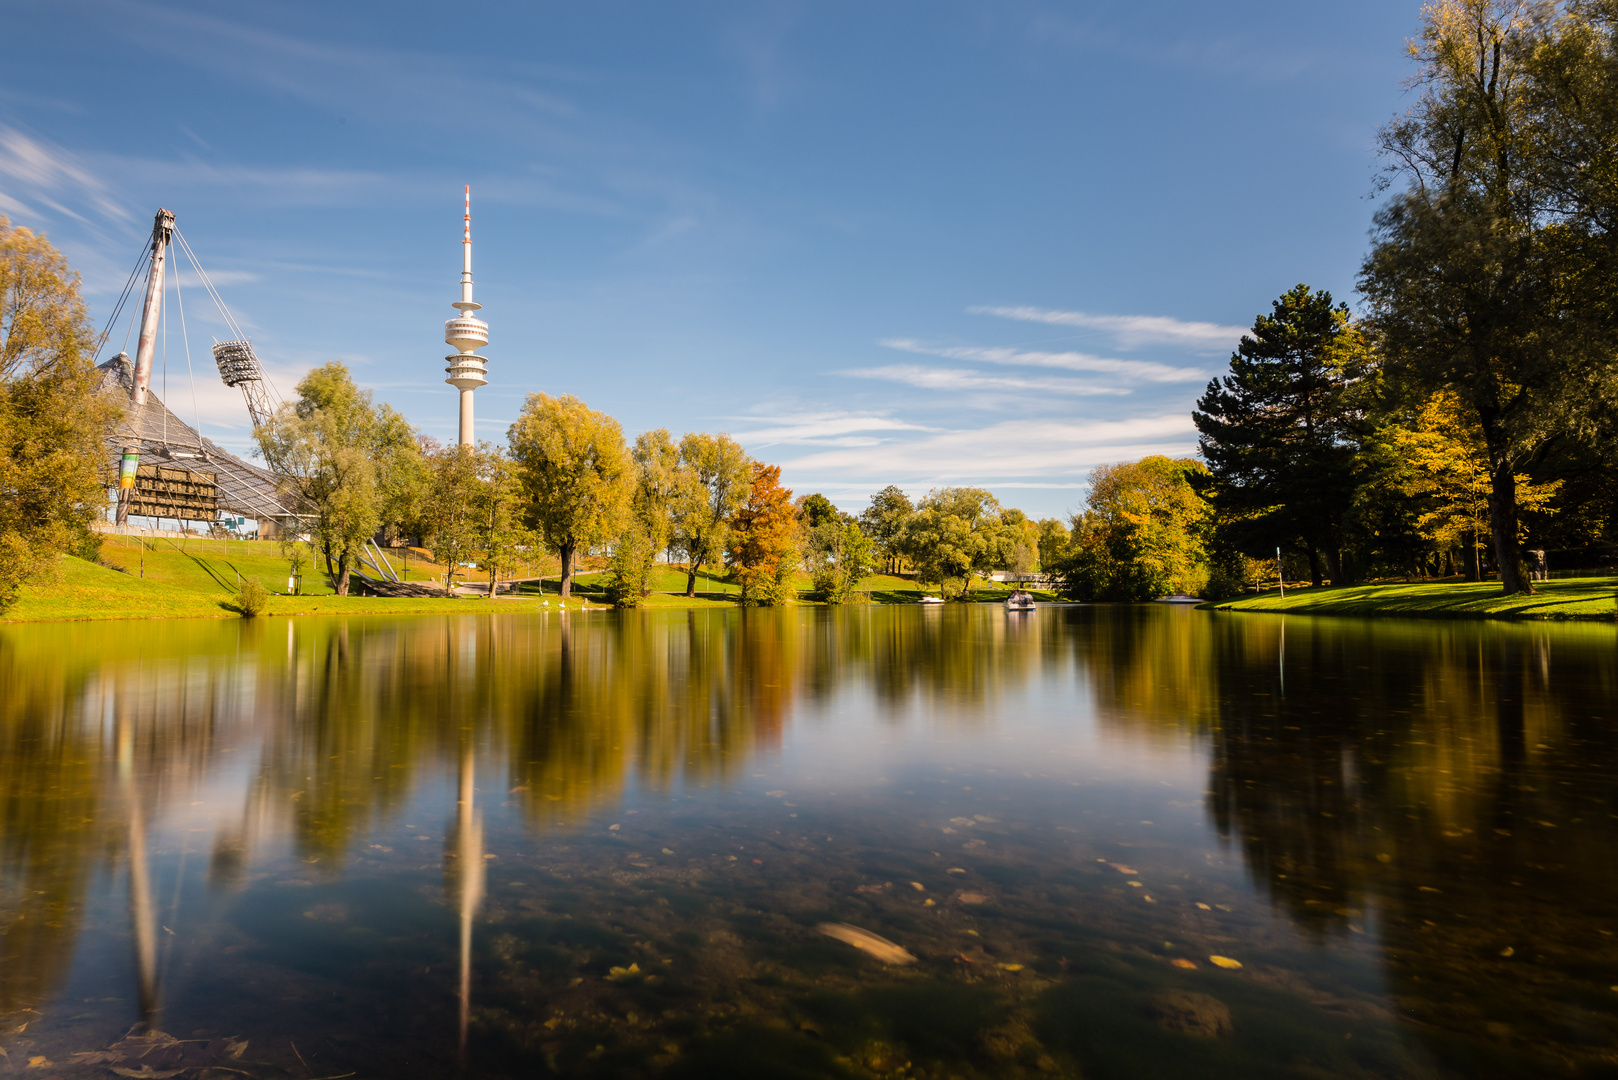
{"x":963,"y":379}
{"x":1129,"y":331}
{"x":1067,"y":361}
{"x":1058,"y":452}
{"x":34,"y":171}
{"x":824,"y":429}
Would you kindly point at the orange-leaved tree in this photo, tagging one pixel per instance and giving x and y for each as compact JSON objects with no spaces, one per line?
{"x":762,"y":553}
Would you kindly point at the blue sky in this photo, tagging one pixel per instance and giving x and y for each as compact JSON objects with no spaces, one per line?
{"x":914,"y":243}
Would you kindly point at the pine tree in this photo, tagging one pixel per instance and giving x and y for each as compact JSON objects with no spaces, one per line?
{"x":1278,"y":431}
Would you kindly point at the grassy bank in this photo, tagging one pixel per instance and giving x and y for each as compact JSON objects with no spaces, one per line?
{"x":163,"y":579}
{"x":1573,"y":598}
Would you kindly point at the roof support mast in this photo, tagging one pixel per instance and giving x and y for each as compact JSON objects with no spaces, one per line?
{"x":162,"y":231}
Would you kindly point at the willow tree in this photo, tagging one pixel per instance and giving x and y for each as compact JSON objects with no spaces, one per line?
{"x":53,"y":425}
{"x":575,"y":473}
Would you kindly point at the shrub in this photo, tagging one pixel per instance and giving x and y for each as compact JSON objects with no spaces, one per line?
{"x":252,"y":598}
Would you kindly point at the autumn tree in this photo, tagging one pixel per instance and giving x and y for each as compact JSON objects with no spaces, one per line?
{"x":723,"y":477}
{"x":342,"y":455}
{"x":1479,"y":278}
{"x":1018,"y":542}
{"x":762,"y":553}
{"x":53,"y":426}
{"x":500,"y":530}
{"x":1449,"y":472}
{"x":576,"y":475}
{"x":884,"y":522}
{"x":1142,"y":534}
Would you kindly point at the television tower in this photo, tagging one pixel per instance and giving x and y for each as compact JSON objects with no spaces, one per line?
{"x":467,"y":370}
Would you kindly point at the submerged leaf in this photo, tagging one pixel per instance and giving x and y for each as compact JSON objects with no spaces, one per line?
{"x":1224,"y":962}
{"x":867,"y":942}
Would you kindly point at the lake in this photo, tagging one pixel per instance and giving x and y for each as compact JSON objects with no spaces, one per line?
{"x":873,"y":841}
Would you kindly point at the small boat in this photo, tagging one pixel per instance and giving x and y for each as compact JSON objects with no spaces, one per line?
{"x":1019,"y":601}
{"x":931,"y":600}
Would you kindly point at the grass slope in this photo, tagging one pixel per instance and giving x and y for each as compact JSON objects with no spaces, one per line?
{"x":165,"y":579}
{"x":1571,"y":598}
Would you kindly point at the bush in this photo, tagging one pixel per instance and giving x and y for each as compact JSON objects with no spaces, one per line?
{"x":252,"y":598}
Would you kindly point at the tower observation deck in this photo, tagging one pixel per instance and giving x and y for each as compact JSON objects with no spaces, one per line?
{"x":467,"y":370}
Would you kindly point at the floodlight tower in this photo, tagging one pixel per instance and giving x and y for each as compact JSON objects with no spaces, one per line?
{"x":467,"y":370}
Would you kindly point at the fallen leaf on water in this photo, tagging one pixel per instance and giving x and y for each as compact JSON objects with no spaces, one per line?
{"x":1148,"y":899}
{"x":1136,"y":885}
{"x":38,"y":1062}
{"x":1224,"y":962}
{"x":1122,"y":869}
{"x":776,"y":794}
{"x":955,"y":870}
{"x":1182,"y":962}
{"x":918,"y":886}
{"x":1507,"y":951}
{"x":1012,"y":967}
{"x":612,"y":828}
{"x":619,"y":973}
{"x":867,"y":942}
{"x":668,"y":851}
{"x":961,"y":821}
{"x":146,"y":1072}
{"x":1203,"y":906}
{"x":929,"y":903}
{"x":1427,"y":888}
{"x":972,"y":898}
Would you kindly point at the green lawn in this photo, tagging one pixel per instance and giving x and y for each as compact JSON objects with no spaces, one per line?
{"x":164,"y":579}
{"x":1571,"y":598}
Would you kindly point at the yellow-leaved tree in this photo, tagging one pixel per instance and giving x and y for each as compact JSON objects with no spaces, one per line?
{"x":53,"y":425}
{"x":1450,"y":470}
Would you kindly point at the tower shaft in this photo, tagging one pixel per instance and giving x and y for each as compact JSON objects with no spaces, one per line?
{"x":151,"y":312}
{"x":467,"y":370}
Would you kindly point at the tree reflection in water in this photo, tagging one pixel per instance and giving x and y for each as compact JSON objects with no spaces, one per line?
{"x":1437,"y":796}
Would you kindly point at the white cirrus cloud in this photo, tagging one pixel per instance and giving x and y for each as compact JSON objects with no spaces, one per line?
{"x":1068,"y":361}
{"x":1129,"y":331}
{"x":31,"y":169}
{"x":1025,"y":452}
{"x":823,"y":429}
{"x":963,"y":379}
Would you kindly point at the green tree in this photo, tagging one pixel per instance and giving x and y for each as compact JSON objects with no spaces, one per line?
{"x":884,"y":522}
{"x":1469,"y":277}
{"x":839,"y":557}
{"x":724,"y":474}
{"x":1053,"y":543}
{"x":1278,"y":432}
{"x":762,"y":555}
{"x":1143,"y":533}
{"x":663,"y":485}
{"x":53,"y":426}
{"x":575,"y":472}
{"x":953,"y":536}
{"x":1018,"y":542}
{"x":338,"y":451}
{"x":451,"y":517}
{"x":500,"y":533}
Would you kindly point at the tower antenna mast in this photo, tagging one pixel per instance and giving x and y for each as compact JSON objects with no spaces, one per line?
{"x":467,"y":370}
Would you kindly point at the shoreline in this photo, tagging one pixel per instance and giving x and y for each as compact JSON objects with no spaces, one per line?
{"x":1592,"y":599}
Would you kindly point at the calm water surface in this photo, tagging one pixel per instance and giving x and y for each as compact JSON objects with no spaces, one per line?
{"x":593,"y":845}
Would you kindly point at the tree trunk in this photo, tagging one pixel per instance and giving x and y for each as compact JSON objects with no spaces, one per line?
{"x":493,"y":580}
{"x":1334,"y":566}
{"x":1514,"y":579}
{"x":1469,"y":557}
{"x":691,"y":580}
{"x":342,"y":574}
{"x":566,"y":552}
{"x":1315,"y":576}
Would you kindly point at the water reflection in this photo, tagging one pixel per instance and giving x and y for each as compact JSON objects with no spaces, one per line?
{"x":242,"y":812}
